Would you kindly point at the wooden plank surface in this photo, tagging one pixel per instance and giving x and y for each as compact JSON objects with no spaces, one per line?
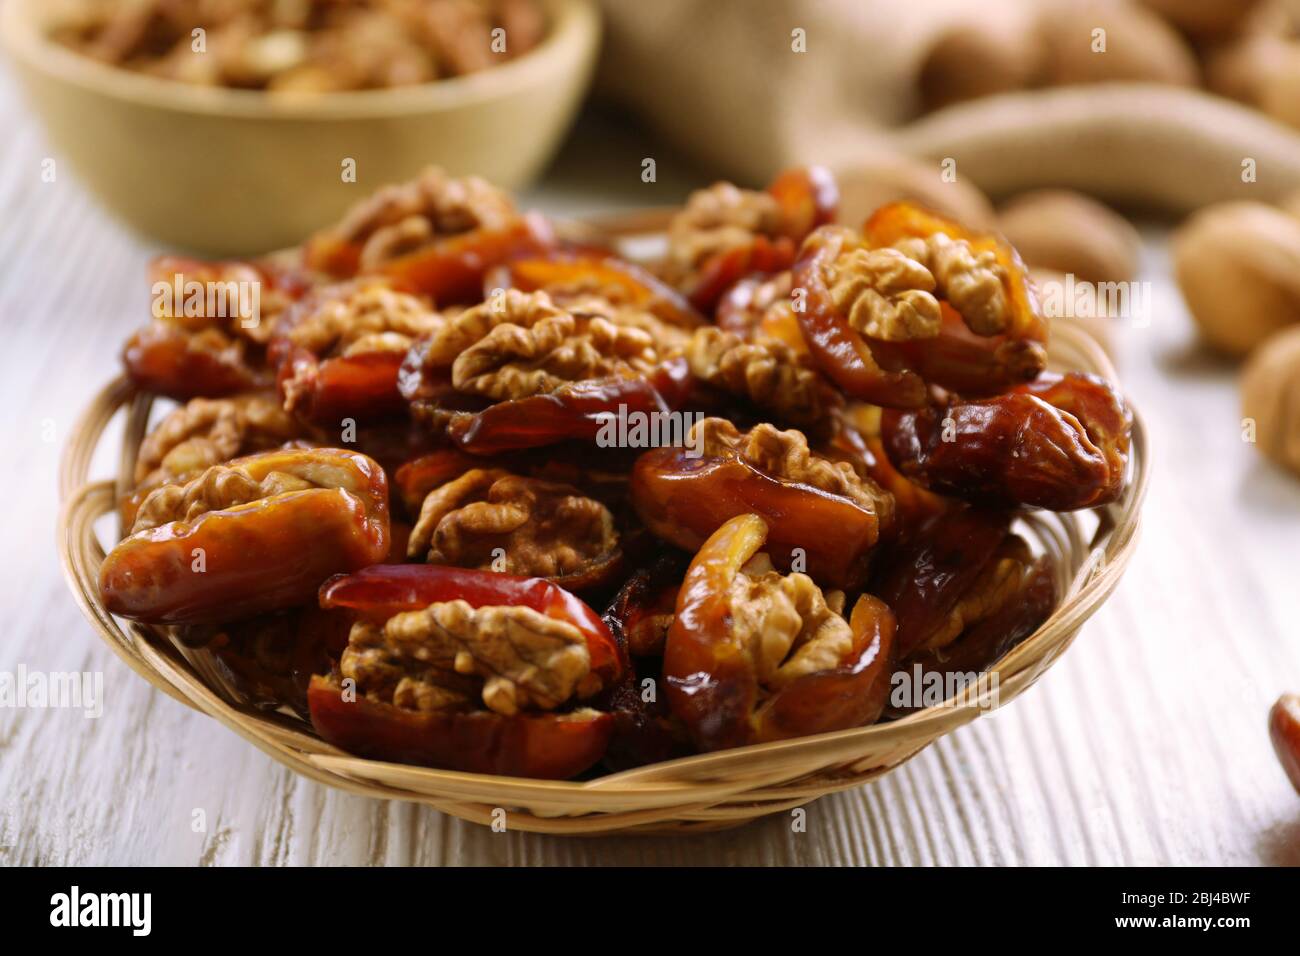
{"x":1145,"y":744}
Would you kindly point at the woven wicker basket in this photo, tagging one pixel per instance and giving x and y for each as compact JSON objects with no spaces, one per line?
{"x":706,"y":792}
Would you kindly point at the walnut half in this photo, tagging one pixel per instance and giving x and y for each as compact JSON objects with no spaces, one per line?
{"x":970,"y":280}
{"x":401,"y":218}
{"x":219,"y":487}
{"x":769,"y":373}
{"x":519,"y":344}
{"x":493,"y":520}
{"x":715,"y":220}
{"x":885,"y":294}
{"x":448,"y":654}
{"x":788,"y":626}
{"x":206,"y":431}
{"x":366,"y":315}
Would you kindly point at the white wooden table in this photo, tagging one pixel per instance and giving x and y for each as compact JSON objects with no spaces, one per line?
{"x":1145,"y":744}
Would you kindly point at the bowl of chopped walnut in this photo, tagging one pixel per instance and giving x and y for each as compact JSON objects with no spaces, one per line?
{"x":239,"y":126}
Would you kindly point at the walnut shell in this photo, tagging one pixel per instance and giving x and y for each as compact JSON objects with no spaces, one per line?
{"x":1068,"y":232}
{"x":1205,"y":19}
{"x":1140,"y":46}
{"x":995,"y":53}
{"x":1279,"y":88}
{"x":1290,"y":204}
{"x":1270,"y":394}
{"x":1238,"y":264}
{"x":1242,"y":69}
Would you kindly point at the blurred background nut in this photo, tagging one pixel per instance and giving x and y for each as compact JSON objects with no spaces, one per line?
{"x":1238,"y":64}
{"x":1203,"y":18}
{"x":1068,"y":232}
{"x":1238,"y":265}
{"x":1279,"y":87}
{"x":995,"y":52}
{"x":1242,"y":69}
{"x":1270,"y":395}
{"x":1140,"y":46}
{"x":1290,"y":204}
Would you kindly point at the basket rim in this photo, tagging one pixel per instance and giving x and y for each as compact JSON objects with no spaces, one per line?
{"x":686,"y":788}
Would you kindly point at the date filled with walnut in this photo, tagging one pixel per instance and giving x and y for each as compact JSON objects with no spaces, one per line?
{"x":861,"y":423}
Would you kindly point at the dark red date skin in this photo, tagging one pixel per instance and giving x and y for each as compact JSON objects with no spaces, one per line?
{"x":1023,"y":447}
{"x":966,"y":363}
{"x":450,"y":270}
{"x":163,"y":359}
{"x":983,"y":644}
{"x":543,"y":746}
{"x":578,"y":411}
{"x":361,"y":387}
{"x":929,"y":572}
{"x":685,"y":499}
{"x":649,"y":594}
{"x":712,"y":680}
{"x":266,"y":555}
{"x":381,"y":592}
{"x":1284,"y":731}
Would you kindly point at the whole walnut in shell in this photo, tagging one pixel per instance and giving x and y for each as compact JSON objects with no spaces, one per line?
{"x":1139,"y":45}
{"x":1270,"y":395}
{"x":995,"y":51}
{"x":1238,"y":265}
{"x":1278,"y":91}
{"x":1207,"y":19}
{"x":1070,"y":233}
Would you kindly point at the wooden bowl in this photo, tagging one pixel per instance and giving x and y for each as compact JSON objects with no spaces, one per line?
{"x":704,"y":792}
{"x":226,"y":172}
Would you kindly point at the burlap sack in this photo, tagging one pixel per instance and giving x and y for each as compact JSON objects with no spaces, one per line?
{"x":724,"y":80}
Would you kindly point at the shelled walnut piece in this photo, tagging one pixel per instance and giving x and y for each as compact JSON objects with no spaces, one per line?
{"x":885,"y":294}
{"x":892,"y":293}
{"x":788,"y":626}
{"x":445,"y":656}
{"x":221,"y":486}
{"x":205,"y":432}
{"x":770,"y":374}
{"x":401,"y":218}
{"x":491,"y":519}
{"x":365,"y":315}
{"x":971,"y":281}
{"x":521,"y":344}
{"x":231,"y":315}
{"x":716,"y":220}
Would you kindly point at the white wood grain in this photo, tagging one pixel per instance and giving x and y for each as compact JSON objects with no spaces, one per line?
{"x":1145,"y":744}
